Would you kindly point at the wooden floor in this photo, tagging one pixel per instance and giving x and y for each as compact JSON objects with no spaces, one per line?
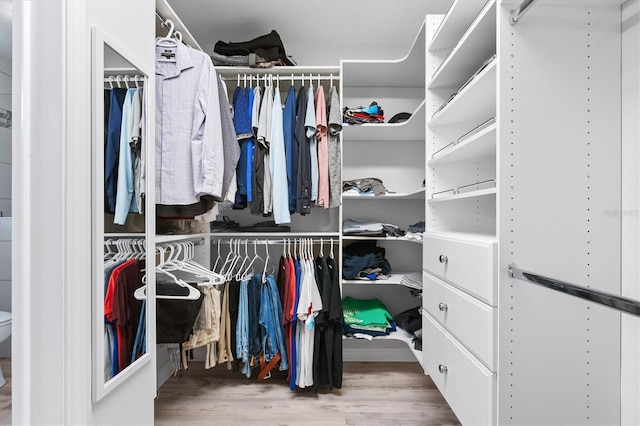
{"x":396,"y":394}
{"x":372,"y":394}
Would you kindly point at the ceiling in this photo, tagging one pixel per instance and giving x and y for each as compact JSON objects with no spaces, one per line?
{"x":314,"y":32}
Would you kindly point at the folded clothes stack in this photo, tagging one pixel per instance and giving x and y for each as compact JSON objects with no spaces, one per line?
{"x":363,"y":260}
{"x":366,"y":318}
{"x":370,"y":228}
{"x":371,"y":114}
{"x":413,"y":280}
{"x":365,"y":186}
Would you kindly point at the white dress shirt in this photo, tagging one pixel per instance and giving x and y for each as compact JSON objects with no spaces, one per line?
{"x":189,"y":145}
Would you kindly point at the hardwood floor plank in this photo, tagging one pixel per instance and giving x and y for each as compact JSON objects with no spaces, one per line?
{"x":372,"y":394}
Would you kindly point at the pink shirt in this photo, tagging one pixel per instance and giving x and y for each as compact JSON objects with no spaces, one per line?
{"x":323,"y":149}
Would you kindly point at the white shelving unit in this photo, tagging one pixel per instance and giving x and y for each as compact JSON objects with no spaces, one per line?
{"x":393,"y":153}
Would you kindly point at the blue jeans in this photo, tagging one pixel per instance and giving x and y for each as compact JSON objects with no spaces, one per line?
{"x":271,"y":321}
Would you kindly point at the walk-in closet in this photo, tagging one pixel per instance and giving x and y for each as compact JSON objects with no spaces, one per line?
{"x":278,"y":212}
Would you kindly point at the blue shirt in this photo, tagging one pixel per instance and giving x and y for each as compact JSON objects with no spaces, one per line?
{"x":112,"y":148}
{"x":291,"y":152}
{"x":125,"y":201}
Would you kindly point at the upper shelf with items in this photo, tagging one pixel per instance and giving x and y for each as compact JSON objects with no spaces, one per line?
{"x":458,"y":18}
{"x":476,"y":45}
{"x":404,"y":72}
{"x":410,"y":130}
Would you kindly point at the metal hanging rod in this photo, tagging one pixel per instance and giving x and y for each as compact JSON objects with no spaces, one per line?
{"x":616,"y":302}
{"x":265,"y":240}
{"x":520,"y":11}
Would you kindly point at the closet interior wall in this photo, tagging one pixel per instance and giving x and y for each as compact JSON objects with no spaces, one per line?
{"x":560,"y":174}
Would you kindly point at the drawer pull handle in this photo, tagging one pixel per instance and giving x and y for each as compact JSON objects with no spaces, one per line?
{"x":443,"y":306}
{"x":443,"y":258}
{"x":442,"y":368}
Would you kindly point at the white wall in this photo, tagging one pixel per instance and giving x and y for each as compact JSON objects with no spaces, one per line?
{"x":52,"y":223}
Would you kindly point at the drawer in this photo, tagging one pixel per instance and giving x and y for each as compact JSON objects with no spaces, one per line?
{"x":469,"y":320}
{"x":467,"y":264}
{"x":467,"y":385}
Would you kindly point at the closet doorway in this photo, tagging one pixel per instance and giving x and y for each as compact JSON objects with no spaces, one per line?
{"x":5,"y":200}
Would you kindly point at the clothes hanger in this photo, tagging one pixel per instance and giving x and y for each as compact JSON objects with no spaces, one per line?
{"x":178,"y":36}
{"x":331,"y":80}
{"x":118,"y":81}
{"x":136,"y":79}
{"x":238,"y":274}
{"x":194,"y":293}
{"x":169,"y":35}
{"x":321,"y":254}
{"x":126,"y":81}
{"x":219,"y":258}
{"x":247,"y":272}
{"x":331,"y":249}
{"x":111,"y":80}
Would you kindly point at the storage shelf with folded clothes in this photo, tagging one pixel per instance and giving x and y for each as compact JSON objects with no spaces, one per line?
{"x":369,"y":229}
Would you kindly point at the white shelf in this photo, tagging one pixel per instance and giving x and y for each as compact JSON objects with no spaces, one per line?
{"x":417,"y":194}
{"x":476,"y":103}
{"x":410,"y":130}
{"x":470,"y":194}
{"x":124,"y":235}
{"x":178,"y":237}
{"x":478,"y":145}
{"x":464,"y":236}
{"x":402,"y":336}
{"x":404,"y":72}
{"x":394,"y":279}
{"x":284,"y":72}
{"x":458,"y":18}
{"x":476,"y":45}
{"x":358,"y":238}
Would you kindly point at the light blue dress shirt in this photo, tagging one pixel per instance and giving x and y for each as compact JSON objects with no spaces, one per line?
{"x":125,"y":201}
{"x":278,"y":165}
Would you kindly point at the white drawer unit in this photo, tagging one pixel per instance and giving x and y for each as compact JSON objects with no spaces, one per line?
{"x":467,"y":385}
{"x":467,"y":264}
{"x":472,"y":322}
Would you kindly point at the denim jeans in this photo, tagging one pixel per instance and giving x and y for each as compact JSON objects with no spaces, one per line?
{"x":242,"y":330}
{"x":271,"y":321}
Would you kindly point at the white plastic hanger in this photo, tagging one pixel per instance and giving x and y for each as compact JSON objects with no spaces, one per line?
{"x":111,"y":80}
{"x":169,"y":35}
{"x":126,"y":81}
{"x":194,"y":293}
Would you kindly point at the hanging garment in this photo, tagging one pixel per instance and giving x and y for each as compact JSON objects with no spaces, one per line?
{"x":327,"y":356}
{"x":323,"y":149}
{"x":189,"y":146}
{"x":264,"y":139}
{"x":231,"y":149}
{"x":278,"y":166}
{"x":123,"y":309}
{"x":309,"y":304}
{"x":125,"y":200}
{"x":244,"y":135}
{"x":110,"y":338}
{"x":255,"y":109}
{"x":294,"y":362}
{"x":335,"y":166}
{"x":206,"y":328}
{"x":137,"y":147}
{"x":290,"y":146}
{"x":225,"y":352}
{"x":303,"y":184}
{"x":310,"y":125}
{"x":273,"y":342}
{"x":112,"y":148}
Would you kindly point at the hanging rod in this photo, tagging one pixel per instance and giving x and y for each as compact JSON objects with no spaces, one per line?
{"x":520,"y":11}
{"x":616,"y":302}
{"x":263,"y":240}
{"x":114,"y":241}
